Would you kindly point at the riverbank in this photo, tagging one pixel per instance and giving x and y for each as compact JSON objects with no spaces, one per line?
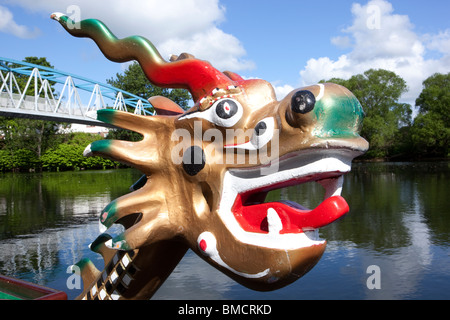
{"x":401,"y":159}
{"x":66,"y":154}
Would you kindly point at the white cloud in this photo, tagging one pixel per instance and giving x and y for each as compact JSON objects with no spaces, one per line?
{"x":173,"y":26}
{"x":221,"y":49}
{"x":379,"y":38}
{"x":439,"y":42}
{"x":341,"y":42}
{"x":8,"y":25}
{"x":282,"y":91}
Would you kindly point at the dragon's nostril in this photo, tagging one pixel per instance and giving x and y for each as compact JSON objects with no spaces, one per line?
{"x":303,"y":101}
{"x":193,"y":160}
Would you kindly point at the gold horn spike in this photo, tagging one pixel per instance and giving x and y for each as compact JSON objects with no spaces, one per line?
{"x":89,"y":273}
{"x":99,"y":246}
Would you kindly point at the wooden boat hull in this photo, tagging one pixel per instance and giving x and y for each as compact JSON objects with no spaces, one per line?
{"x":15,"y":289}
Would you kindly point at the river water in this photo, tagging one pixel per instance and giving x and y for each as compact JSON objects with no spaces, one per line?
{"x":393,"y":244}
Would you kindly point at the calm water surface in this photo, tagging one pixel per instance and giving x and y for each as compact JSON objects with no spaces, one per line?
{"x":399,"y":221}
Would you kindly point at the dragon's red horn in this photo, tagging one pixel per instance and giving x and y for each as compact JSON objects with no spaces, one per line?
{"x":187,"y":72}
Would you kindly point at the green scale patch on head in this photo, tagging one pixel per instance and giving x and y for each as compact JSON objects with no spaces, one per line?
{"x":338,"y":116}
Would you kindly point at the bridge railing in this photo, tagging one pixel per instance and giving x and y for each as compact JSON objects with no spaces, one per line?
{"x":46,"y":93}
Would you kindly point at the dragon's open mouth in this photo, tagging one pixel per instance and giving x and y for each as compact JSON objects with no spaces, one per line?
{"x":285,"y":224}
{"x":287,"y":216}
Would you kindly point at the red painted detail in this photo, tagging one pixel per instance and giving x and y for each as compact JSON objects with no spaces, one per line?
{"x":235,"y":144}
{"x":198,"y":76}
{"x":253,"y":217}
{"x":203,"y":245}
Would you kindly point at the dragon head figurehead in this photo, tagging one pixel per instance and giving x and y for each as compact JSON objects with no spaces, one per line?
{"x":207,"y":172}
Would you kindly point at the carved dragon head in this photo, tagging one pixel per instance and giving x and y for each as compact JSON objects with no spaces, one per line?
{"x":208,"y":171}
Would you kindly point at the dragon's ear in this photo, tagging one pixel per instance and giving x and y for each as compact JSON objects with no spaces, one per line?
{"x":164,"y":106}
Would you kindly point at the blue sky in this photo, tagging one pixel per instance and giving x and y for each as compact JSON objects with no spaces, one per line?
{"x":289,"y":43}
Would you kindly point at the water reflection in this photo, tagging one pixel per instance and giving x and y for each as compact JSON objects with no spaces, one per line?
{"x":398,"y":221}
{"x":30,"y":203}
{"x":194,"y":279}
{"x":44,"y":258}
{"x":47,"y":221}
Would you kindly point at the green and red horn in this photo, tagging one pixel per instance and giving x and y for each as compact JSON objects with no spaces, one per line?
{"x":197,"y":76}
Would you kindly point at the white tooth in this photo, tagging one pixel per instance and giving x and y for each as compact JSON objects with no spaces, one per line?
{"x":91,"y":114}
{"x":101,"y":227}
{"x":109,"y":244}
{"x":87,"y":152}
{"x":333,"y":186}
{"x":274,"y":222}
{"x":57,"y":16}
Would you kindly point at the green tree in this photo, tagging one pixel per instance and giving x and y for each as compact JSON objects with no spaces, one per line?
{"x":21,"y":159}
{"x":69,"y":155}
{"x":378,"y":92}
{"x":431,"y":129}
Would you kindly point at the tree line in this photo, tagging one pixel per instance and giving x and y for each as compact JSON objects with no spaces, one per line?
{"x":389,"y":127}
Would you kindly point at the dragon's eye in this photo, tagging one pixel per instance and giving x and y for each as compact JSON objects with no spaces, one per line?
{"x":260,"y":128}
{"x":224,"y":112}
{"x":226,"y":108}
{"x":263,"y":132}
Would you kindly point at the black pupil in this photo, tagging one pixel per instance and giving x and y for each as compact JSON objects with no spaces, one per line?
{"x":226,"y":109}
{"x":260,"y":128}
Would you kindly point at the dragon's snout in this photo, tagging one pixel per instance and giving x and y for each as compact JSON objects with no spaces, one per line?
{"x":330,"y":110}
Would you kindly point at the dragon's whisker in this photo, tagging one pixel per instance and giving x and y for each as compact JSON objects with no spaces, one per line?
{"x":129,"y":208}
{"x":148,"y":233}
{"x":137,"y":154}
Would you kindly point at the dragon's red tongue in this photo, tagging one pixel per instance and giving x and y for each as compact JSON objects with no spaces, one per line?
{"x":253,"y":218}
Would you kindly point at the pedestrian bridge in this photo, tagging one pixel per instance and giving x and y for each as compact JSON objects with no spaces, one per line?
{"x":32,"y":91}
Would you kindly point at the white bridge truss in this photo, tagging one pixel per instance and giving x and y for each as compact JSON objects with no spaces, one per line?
{"x":59,"y":96}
